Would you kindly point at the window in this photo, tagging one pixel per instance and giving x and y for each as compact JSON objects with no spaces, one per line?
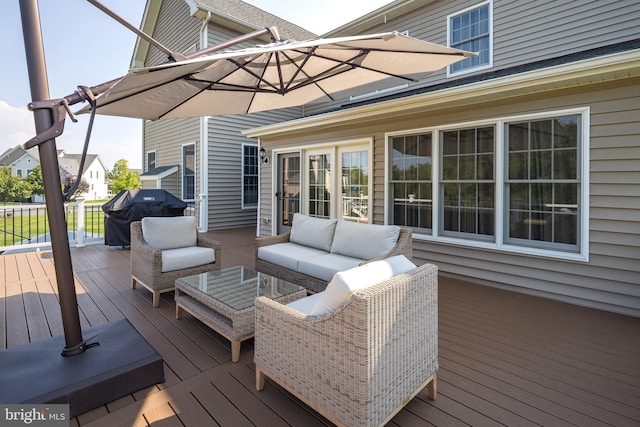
{"x":319,"y":166}
{"x":542,"y":182}
{"x":411,"y":183}
{"x":467,"y":182}
{"x":354,"y":200}
{"x":517,"y":184}
{"x":18,"y":172}
{"x":471,"y":30}
{"x":189,"y":172}
{"x":151,"y":160}
{"x":249,"y":176}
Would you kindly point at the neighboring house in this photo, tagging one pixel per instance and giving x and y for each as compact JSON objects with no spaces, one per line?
{"x":519,"y":168}
{"x":207,"y":156}
{"x":95,"y":173}
{"x":22,"y":161}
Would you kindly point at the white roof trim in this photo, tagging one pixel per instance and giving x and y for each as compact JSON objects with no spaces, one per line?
{"x":161,"y":175}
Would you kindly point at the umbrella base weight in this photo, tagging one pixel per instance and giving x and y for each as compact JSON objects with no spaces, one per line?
{"x":121,"y":364}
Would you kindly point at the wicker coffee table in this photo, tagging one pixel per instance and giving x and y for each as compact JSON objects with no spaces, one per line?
{"x":224,"y":300}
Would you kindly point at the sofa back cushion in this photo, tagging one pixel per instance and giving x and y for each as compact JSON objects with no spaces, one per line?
{"x":170,"y":232}
{"x":345,"y":282}
{"x":313,"y":232}
{"x":364,"y":241}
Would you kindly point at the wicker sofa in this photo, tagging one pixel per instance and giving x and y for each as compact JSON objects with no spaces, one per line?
{"x":164,"y":249}
{"x":360,"y":363}
{"x":315,"y":249}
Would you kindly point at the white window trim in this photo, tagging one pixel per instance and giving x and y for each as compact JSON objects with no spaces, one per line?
{"x":304,"y":151}
{"x":499,"y":244}
{"x":480,"y":67}
{"x":195,"y":172}
{"x":252,"y":206}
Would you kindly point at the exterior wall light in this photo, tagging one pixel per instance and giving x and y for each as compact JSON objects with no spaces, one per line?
{"x":264,"y":159}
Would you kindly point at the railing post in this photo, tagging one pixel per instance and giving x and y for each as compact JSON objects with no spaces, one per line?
{"x":80,"y":222}
{"x":202,"y":220}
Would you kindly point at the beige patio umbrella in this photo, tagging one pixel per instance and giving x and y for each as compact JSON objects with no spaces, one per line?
{"x":272,"y":76}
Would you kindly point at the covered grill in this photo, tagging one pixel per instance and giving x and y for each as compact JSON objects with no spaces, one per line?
{"x":133,"y":205}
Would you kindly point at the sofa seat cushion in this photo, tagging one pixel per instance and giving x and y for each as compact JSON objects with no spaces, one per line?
{"x":366,"y":241}
{"x":325,"y":266}
{"x":170,"y":232}
{"x":344,"y":283}
{"x":181,"y":258}
{"x":305,"y":305}
{"x":287,"y":255}
{"x":313,"y":232}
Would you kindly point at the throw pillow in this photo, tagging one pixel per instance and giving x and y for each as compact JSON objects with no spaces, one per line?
{"x":344,"y":283}
{"x":313,"y":232}
{"x":364,"y":241}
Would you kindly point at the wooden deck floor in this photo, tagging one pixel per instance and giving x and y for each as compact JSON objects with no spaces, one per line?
{"x":505,"y":358}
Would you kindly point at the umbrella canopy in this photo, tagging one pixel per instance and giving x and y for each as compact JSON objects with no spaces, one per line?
{"x":277,"y":75}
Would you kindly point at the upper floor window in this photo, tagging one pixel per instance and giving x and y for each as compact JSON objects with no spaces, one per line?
{"x":249,"y":176}
{"x":151,"y":160}
{"x":189,"y":171}
{"x":471,"y":30}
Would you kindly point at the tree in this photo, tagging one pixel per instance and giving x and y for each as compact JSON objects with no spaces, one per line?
{"x":121,"y":178}
{"x":12,"y":188}
{"x":35,"y":181}
{"x":83,"y":187}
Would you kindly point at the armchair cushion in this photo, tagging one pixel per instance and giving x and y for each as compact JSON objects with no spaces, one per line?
{"x":345,"y":282}
{"x":181,"y":258}
{"x":170,"y":232}
{"x":366,"y":241}
{"x":313,"y":232}
{"x":305,"y":305}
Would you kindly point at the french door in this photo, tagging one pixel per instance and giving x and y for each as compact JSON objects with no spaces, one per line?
{"x":288,"y":186}
{"x":338,"y":183}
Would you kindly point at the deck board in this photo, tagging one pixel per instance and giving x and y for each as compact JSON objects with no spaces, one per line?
{"x":505,"y":358}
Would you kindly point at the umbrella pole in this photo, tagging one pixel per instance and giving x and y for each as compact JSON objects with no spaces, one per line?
{"x":51,"y":178}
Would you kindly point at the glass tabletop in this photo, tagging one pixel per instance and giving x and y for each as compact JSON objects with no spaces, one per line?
{"x":238,"y":287}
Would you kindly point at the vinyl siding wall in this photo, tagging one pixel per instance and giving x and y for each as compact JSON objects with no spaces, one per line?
{"x":225,"y":165}
{"x":167,"y":137}
{"x":524,"y":32}
{"x":611,"y":277}
{"x":177,"y":30}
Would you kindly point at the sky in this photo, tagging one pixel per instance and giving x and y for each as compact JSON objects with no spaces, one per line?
{"x":85,"y":47}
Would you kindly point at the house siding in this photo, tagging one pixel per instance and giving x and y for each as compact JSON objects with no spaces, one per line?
{"x":176,"y":29}
{"x":167,"y":137}
{"x":611,"y":277}
{"x":225,"y":165}
{"x":523,"y":32}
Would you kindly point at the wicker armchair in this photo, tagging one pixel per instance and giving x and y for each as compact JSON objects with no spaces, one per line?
{"x":359,"y":365}
{"x":146,"y":263}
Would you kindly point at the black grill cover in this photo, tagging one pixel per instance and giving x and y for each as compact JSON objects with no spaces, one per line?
{"x":133,"y":205}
